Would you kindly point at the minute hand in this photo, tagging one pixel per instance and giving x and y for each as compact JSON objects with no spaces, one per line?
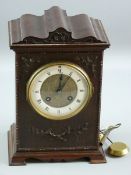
{"x":63,"y":85}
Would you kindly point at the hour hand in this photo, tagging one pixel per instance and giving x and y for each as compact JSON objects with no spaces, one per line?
{"x":60,"y":83}
{"x":63,"y":85}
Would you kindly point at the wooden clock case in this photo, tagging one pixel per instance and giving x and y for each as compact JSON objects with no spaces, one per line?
{"x":39,"y":40}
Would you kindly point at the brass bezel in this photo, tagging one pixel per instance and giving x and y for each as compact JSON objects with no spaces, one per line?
{"x":55,"y":117}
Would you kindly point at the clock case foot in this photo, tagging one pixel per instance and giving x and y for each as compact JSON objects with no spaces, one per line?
{"x":22,"y":157}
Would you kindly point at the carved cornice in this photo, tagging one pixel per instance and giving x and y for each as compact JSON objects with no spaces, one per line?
{"x":56,"y":27}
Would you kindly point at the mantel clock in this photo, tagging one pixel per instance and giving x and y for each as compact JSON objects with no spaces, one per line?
{"x":58,"y":87}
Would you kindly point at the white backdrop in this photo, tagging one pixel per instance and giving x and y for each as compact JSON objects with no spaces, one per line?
{"x":116,"y":89}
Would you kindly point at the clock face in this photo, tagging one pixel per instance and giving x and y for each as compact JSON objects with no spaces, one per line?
{"x":59,"y":91}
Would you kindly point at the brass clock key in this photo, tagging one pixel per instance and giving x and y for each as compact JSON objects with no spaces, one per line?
{"x":117,"y":149}
{"x":107,"y":132}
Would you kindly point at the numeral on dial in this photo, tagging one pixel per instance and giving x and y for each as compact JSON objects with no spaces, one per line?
{"x":70,"y":74}
{"x":81,"y":90}
{"x":58,"y":111}
{"x":48,"y":73}
{"x":47,"y":108}
{"x":36,"y":92}
{"x":78,"y":80}
{"x":39,"y":101}
{"x":59,"y":70}
{"x":78,"y":101}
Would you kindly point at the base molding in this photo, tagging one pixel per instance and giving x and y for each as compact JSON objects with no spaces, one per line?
{"x":21,"y":157}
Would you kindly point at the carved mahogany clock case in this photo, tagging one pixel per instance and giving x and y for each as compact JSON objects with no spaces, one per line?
{"x":56,"y":39}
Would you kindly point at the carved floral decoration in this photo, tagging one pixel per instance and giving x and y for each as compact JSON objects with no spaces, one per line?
{"x":28,"y":62}
{"x":63,"y":135}
{"x":89,"y":62}
{"x":58,"y":36}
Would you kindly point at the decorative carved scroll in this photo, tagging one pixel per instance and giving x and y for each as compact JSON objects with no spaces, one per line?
{"x":63,"y":135}
{"x":89,"y":61}
{"x":28,"y":62}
